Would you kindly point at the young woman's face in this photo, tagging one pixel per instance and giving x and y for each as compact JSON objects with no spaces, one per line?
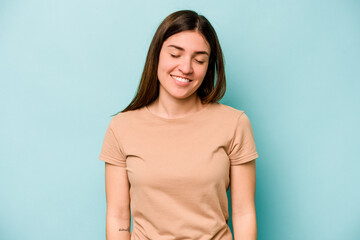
{"x":183,"y":62}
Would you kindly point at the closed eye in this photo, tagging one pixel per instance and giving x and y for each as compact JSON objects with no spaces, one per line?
{"x":176,"y":56}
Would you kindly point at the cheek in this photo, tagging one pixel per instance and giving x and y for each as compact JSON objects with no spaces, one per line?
{"x":202,"y":71}
{"x":165,"y":64}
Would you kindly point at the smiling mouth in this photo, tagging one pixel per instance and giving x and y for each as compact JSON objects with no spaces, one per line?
{"x":181,"y":79}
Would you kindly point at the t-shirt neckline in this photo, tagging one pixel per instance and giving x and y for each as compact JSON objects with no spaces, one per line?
{"x":191,"y":116}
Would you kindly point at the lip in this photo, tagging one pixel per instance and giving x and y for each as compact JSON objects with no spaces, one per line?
{"x":181,"y":77}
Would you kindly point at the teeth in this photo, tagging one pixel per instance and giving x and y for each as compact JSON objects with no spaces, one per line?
{"x":181,"y":79}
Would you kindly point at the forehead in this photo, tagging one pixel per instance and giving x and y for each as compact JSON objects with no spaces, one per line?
{"x":191,"y":41}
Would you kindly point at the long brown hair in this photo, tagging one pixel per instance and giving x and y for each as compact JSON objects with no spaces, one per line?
{"x":179,"y":21}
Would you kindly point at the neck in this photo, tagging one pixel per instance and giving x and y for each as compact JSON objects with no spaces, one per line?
{"x":175,"y":108}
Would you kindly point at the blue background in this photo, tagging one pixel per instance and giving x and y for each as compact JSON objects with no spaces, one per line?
{"x":66,"y":66}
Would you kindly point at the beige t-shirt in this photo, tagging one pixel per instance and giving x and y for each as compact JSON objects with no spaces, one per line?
{"x":179,"y":169}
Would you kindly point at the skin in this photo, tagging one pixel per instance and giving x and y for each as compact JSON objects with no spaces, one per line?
{"x":242,"y":190}
{"x":118,"y":216}
{"x":191,"y":61}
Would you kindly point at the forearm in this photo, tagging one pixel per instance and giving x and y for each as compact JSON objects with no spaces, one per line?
{"x":117,"y":228}
{"x":244,"y":226}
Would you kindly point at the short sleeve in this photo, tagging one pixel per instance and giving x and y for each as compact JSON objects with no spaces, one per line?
{"x":111,"y":151}
{"x":242,"y":146}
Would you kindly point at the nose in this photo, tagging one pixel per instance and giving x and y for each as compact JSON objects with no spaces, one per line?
{"x":186,"y":66}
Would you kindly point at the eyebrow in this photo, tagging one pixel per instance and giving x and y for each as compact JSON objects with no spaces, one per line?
{"x":180,"y":48}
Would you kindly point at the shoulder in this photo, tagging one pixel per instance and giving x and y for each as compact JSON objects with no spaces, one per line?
{"x":229,"y":111}
{"x":125,"y":118}
{"x":225,"y":115}
{"x":233,"y":116}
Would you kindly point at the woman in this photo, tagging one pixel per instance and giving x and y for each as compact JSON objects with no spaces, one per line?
{"x":174,"y":151}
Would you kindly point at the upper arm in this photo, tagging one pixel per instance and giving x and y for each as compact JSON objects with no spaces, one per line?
{"x":242,"y":188}
{"x":117,"y":191}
